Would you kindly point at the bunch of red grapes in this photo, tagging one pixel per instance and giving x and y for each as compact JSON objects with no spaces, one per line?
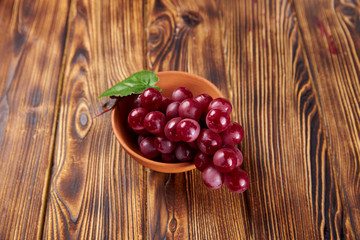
{"x":184,"y":128}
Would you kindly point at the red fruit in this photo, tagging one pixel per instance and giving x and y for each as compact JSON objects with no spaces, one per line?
{"x":181,"y":94}
{"x":164,"y":104}
{"x":163,"y":144}
{"x":212,"y":178}
{"x":204,"y":100}
{"x":183,"y":152}
{"x":193,"y":145}
{"x":172,"y":110}
{"x":188,"y":130}
{"x":202,"y":161}
{"x":148,"y":149}
{"x":217,"y":120}
{"x":237,"y":181}
{"x":208,"y":142}
{"x":168,"y":157}
{"x":225,"y":160}
{"x":134,"y":100}
{"x":170,"y":129}
{"x":136,"y":118}
{"x":154,"y":122}
{"x":233,"y":134}
{"x":141,"y":132}
{"x":221,"y":104}
{"x":239,"y":155}
{"x":140,"y":138}
{"x":189,"y":108}
{"x":151,"y":99}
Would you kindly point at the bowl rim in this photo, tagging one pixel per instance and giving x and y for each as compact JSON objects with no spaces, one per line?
{"x":154,"y":165}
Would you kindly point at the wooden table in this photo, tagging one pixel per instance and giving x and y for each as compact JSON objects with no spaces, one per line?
{"x":290,"y":68}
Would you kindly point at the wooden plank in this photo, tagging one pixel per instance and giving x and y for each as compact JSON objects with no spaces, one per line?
{"x":330,"y":32}
{"x":183,"y":35}
{"x":284,"y":147}
{"x":29,"y":72}
{"x":96,"y":191}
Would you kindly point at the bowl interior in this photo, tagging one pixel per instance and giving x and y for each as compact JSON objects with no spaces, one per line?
{"x":168,"y":82}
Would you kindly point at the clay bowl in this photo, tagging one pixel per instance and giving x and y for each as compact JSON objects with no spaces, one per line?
{"x":168,"y":82}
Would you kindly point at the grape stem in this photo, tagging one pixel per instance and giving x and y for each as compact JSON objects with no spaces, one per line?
{"x":111,"y":108}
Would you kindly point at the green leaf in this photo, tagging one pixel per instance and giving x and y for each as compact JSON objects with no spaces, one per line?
{"x":135,"y":84}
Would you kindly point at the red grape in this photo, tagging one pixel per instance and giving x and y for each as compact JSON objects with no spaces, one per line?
{"x":151,"y":99}
{"x":237,"y":181}
{"x":168,"y":157}
{"x":188,"y":130}
{"x":170,"y":129}
{"x":204,"y":100}
{"x":181,"y":93}
{"x":140,"y":138}
{"x":233,"y":134}
{"x":163,"y":144}
{"x":135,"y":100}
{"x":202,"y":161}
{"x":212,"y":178}
{"x":172,"y":110}
{"x":221,"y":104}
{"x":239,"y":155}
{"x":208,"y":141}
{"x":189,"y":108}
{"x":141,"y":132}
{"x":196,"y":128}
{"x":164,"y":104}
{"x":225,"y":160}
{"x":154,"y":122}
{"x":193,"y":145}
{"x":217,"y":120}
{"x":183,"y":152}
{"x":148,"y":149}
{"x":136,"y":118}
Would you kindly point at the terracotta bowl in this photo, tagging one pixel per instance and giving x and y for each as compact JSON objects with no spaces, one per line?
{"x":168,"y":82}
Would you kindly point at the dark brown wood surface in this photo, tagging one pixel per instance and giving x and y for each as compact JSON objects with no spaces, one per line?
{"x":290,"y":68}
{"x":96,"y":189}
{"x":32,"y":37}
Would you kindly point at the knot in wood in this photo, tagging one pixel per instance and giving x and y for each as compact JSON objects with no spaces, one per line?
{"x":191,"y":18}
{"x":83,"y":119}
{"x":173,"y":225}
{"x":154,"y":35}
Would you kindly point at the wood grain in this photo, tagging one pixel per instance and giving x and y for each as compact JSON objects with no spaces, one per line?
{"x":182,"y":35}
{"x":29,"y":76}
{"x":96,"y":191}
{"x":295,"y":193}
{"x":330,"y":32}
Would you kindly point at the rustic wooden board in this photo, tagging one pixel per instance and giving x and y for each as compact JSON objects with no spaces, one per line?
{"x":96,"y":191}
{"x":29,"y":76}
{"x":285,"y":150}
{"x":330,"y":32}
